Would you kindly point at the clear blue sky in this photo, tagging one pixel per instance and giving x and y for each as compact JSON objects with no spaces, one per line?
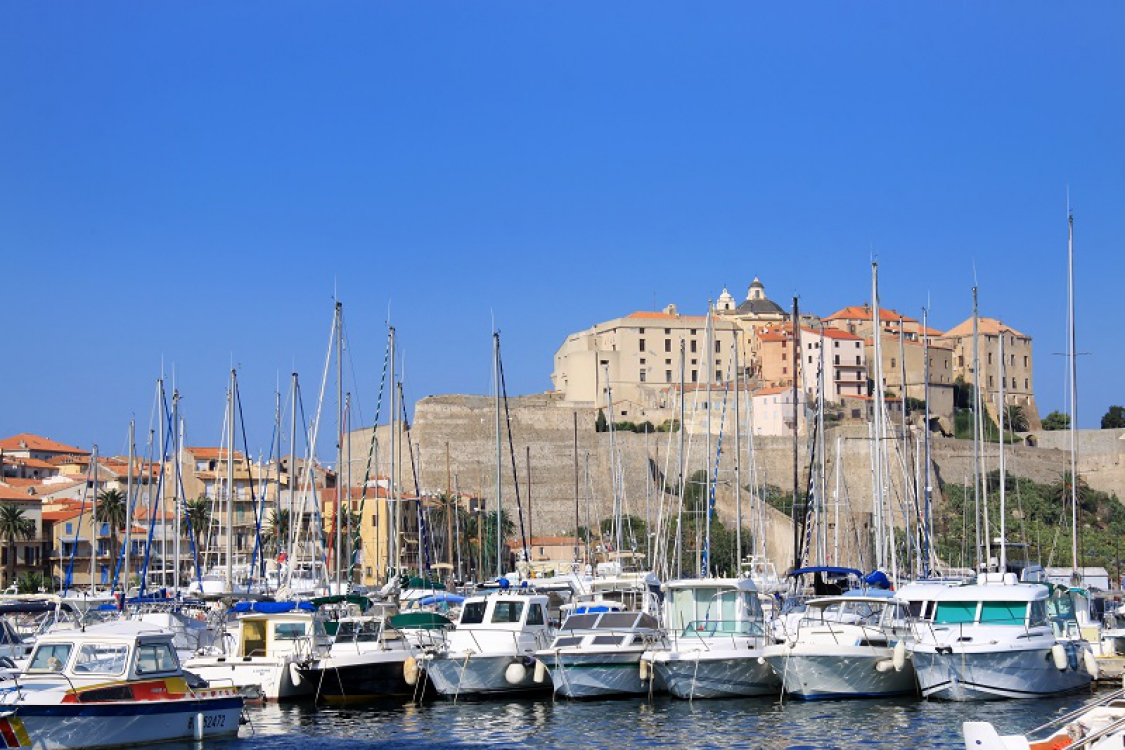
{"x":190,"y":183}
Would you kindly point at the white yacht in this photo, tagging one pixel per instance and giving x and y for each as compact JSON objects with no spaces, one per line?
{"x":491,"y":650}
{"x":270,"y":639}
{"x":598,"y":649}
{"x":994,"y":639}
{"x":716,"y":635}
{"x":846,"y":647}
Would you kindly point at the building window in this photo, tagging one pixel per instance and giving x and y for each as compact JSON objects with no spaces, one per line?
{"x":837,"y":359}
{"x":810,"y":359}
{"x":667,"y":331}
{"x":784,"y":370}
{"x":990,"y":383}
{"x":692,"y":331}
{"x":641,"y":330}
{"x":719,"y":375}
{"x":667,"y":345}
{"x":857,"y":359}
{"x":375,"y":521}
{"x":1013,"y":382}
{"x":1026,"y":385}
{"x":784,"y":355}
{"x":693,"y":345}
{"x":990,"y":358}
{"x":892,"y":362}
{"x":642,"y":376}
{"x":1025,"y":361}
{"x":667,"y":376}
{"x":695,"y":376}
{"x":642,"y":343}
{"x":718,"y":347}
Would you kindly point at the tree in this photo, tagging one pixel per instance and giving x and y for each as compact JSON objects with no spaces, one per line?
{"x":14,"y":526}
{"x":601,"y":425}
{"x":31,"y":582}
{"x":1114,"y":418}
{"x":1056,"y":420}
{"x":1016,"y":419}
{"x":276,"y":534}
{"x":198,"y":513}
{"x":111,"y":511}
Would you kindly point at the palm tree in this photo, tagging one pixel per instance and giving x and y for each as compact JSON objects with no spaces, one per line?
{"x":276,"y":533}
{"x":198,"y":513}
{"x":111,"y":511}
{"x":14,"y":526}
{"x":1017,"y":419}
{"x":31,"y":582}
{"x":1061,"y":490}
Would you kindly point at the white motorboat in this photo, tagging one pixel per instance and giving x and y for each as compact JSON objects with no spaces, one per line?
{"x":491,"y":650}
{"x":109,"y":685}
{"x":716,"y":640}
{"x":994,"y":639}
{"x":598,"y":649}
{"x":846,"y":647}
{"x":270,"y":640}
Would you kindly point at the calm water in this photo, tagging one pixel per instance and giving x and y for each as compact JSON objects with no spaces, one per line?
{"x":663,"y":722}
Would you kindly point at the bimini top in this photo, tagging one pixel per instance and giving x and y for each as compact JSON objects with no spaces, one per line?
{"x":271,"y":608}
{"x":740,"y":584}
{"x":1018,"y":592}
{"x":830,"y":569}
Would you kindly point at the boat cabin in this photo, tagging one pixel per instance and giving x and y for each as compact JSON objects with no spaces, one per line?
{"x":504,"y":612}
{"x":118,"y":651}
{"x":279,"y":630}
{"x":606,"y":629}
{"x":1004,"y":604}
{"x":713,"y":606}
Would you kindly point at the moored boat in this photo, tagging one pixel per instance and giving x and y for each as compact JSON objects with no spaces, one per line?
{"x":111,"y":685}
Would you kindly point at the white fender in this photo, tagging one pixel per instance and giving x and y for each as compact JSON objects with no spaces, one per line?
{"x":898,"y":659}
{"x":540,"y":672}
{"x":646,"y":670}
{"x":515,"y":673}
{"x":884,"y":665}
{"x":1091,"y":663}
{"x":410,"y":670}
{"x":295,"y":674}
{"x":1058,"y":653}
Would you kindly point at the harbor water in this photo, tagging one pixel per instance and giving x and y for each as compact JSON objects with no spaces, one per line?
{"x":663,"y":722}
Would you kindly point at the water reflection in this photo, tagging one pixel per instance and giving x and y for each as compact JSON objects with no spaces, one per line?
{"x":660,"y":723}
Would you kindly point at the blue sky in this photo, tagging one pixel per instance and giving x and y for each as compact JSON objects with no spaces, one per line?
{"x":191,"y":183}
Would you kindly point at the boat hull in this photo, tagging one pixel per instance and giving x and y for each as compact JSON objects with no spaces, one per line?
{"x":362,"y":677}
{"x":861,"y":674}
{"x":273,"y":678}
{"x":996,"y":675}
{"x":714,"y":674}
{"x":462,"y":676}
{"x":90,"y":725}
{"x":597,"y":674}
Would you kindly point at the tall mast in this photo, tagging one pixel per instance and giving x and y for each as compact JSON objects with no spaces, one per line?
{"x":906,"y":463}
{"x":499,"y":478}
{"x":796,"y":423}
{"x":1072,"y":351}
{"x":1000,"y":372}
{"x":338,"y":523}
{"x":93,"y":523}
{"x":230,"y":484}
{"x":162,"y":510}
{"x":396,"y":528}
{"x":683,"y":479}
{"x":926,"y":482}
{"x":877,"y":414}
{"x":982,"y":555}
{"x":129,"y":506}
{"x":289,"y":530}
{"x":737,"y":457}
{"x":710,"y":360}
{"x":177,"y":445}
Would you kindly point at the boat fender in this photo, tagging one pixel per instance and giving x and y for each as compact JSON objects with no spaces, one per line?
{"x":410,"y":671}
{"x":646,"y":670}
{"x":884,"y":665}
{"x":1058,"y":653}
{"x":515,"y":673}
{"x":761,"y":660}
{"x":1091,"y":663}
{"x":540,"y":672}
{"x":295,"y":674}
{"x":899,"y":656}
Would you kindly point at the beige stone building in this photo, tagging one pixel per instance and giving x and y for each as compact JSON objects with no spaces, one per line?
{"x":844,"y":361}
{"x":639,"y":356}
{"x":904,"y":372}
{"x":1019,"y":385}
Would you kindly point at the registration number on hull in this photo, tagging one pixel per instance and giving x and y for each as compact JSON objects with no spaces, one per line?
{"x":210,"y":721}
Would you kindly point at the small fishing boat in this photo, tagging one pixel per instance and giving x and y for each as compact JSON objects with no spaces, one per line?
{"x":109,"y":685}
{"x":270,"y":640}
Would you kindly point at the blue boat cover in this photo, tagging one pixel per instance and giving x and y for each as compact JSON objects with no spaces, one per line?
{"x":272,"y":608}
{"x":827,"y":569}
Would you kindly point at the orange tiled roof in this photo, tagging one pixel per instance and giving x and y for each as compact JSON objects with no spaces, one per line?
{"x":984,"y":326}
{"x":11,"y":493}
{"x":833,"y":333}
{"x":22,"y":483}
{"x":773,"y":390}
{"x":27,"y":441}
{"x":863,"y":312}
{"x":33,"y":463}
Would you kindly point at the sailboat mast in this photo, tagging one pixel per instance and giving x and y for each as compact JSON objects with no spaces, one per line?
{"x":395,"y":506}
{"x":737,"y":455}
{"x":1000,"y":373}
{"x":981,"y":553}
{"x":710,"y":360}
{"x":926,"y":481}
{"x":338,"y":523}
{"x":877,"y":414}
{"x":499,"y":478}
{"x":177,"y":445}
{"x":230,"y":484}
{"x":162,"y":510}
{"x":129,"y":506}
{"x":796,"y":422}
{"x":93,"y":521}
{"x":1072,"y":352}
{"x":292,"y":482}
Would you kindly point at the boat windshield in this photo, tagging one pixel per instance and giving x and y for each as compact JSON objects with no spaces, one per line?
{"x":1064,"y":621}
{"x":844,"y":612}
{"x":156,"y":657}
{"x":101,"y":658}
{"x":473,"y":613}
{"x":50,"y":657}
